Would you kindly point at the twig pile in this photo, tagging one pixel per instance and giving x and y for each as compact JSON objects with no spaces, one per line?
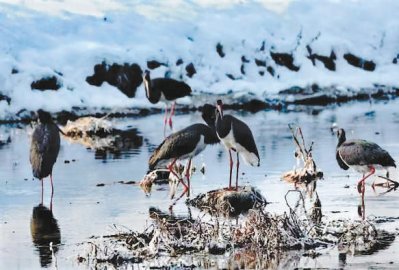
{"x":88,"y":126}
{"x":260,"y":234}
{"x":308,"y":171}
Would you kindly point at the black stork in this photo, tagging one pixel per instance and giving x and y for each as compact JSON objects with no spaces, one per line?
{"x":185,"y":144}
{"x":237,"y":136}
{"x":363,"y":156}
{"x":44,"y":148}
{"x":166,"y":90}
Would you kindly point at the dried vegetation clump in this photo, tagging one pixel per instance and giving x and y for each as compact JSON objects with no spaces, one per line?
{"x":100,"y":134}
{"x":307,"y":169}
{"x":250,"y":239}
{"x":229,"y":202}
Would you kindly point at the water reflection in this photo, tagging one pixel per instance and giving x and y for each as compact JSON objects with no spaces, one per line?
{"x":116,"y":145}
{"x":45,"y":230}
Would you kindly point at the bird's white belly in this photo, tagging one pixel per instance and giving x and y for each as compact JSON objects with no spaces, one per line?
{"x":230,"y":143}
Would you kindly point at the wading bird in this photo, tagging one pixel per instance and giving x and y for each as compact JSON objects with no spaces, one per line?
{"x":363,"y":156}
{"x":185,"y":144}
{"x":166,"y":90}
{"x":237,"y":136}
{"x":44,"y":148}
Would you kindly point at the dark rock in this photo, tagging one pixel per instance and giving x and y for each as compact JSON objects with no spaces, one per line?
{"x":262,"y":47}
{"x":58,"y":73}
{"x":232,"y":77}
{"x":225,"y":202}
{"x":153,"y":64}
{"x":295,"y":90}
{"x":6,"y":98}
{"x":179,"y":62}
{"x":254,"y":105}
{"x":100,"y":185}
{"x":190,"y":70}
{"x":46,"y":83}
{"x":319,"y":99}
{"x":310,"y":95}
{"x":219,"y":49}
{"x":359,"y":62}
{"x":63,"y":117}
{"x":67,"y":161}
{"x":328,"y":61}
{"x":244,"y":59}
{"x":242,"y":69}
{"x":14,"y":71}
{"x":270,"y":70}
{"x":260,"y":63}
{"x":261,"y":73}
{"x":395,"y":60}
{"x":126,"y":77}
{"x":5,"y":142}
{"x":284,"y":59}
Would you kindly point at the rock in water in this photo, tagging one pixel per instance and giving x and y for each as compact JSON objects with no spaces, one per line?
{"x":229,"y":202}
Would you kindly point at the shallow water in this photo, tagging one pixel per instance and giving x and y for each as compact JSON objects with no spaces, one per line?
{"x":82,"y":209}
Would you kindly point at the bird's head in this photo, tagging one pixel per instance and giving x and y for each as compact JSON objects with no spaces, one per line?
{"x":44,"y":117}
{"x":219,"y":107}
{"x":209,"y":115}
{"x":146,"y":81}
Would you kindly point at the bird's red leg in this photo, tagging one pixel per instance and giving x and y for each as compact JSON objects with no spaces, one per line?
{"x":360,"y":184}
{"x":52,"y":187}
{"x":170,"y":168}
{"x":238,"y":166}
{"x":166,"y":114}
{"x":41,"y":180}
{"x":188,"y":176}
{"x":51,"y":202}
{"x":172,"y":112}
{"x":231,"y":167}
{"x":165,"y":120}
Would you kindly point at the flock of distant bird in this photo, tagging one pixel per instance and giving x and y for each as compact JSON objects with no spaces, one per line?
{"x":364,"y":156}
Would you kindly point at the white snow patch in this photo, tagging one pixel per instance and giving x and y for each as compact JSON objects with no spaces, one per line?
{"x":40,"y":38}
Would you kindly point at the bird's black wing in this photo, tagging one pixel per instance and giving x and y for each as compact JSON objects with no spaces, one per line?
{"x":171,"y":89}
{"x":243,"y":135}
{"x":361,"y":152}
{"x":176,"y":145}
{"x":44,"y":149}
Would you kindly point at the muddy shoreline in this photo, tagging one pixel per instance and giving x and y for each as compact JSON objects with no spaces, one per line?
{"x":295,"y":99}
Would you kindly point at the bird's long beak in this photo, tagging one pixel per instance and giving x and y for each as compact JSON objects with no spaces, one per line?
{"x":146,"y":85}
{"x":220,"y":109}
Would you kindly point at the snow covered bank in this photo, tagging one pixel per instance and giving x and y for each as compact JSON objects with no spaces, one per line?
{"x":217,"y":47}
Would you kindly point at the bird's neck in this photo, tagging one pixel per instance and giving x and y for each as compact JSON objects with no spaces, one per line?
{"x":147,"y":86}
{"x":341,"y":140}
{"x":223,"y":125}
{"x":211,"y":136}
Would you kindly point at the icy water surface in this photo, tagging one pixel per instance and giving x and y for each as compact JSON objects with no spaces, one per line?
{"x":82,"y":209}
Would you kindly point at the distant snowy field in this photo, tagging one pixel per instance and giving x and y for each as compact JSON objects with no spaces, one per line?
{"x":67,"y":38}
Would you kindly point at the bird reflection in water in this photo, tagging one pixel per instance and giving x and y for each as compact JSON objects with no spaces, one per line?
{"x":46,"y":235}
